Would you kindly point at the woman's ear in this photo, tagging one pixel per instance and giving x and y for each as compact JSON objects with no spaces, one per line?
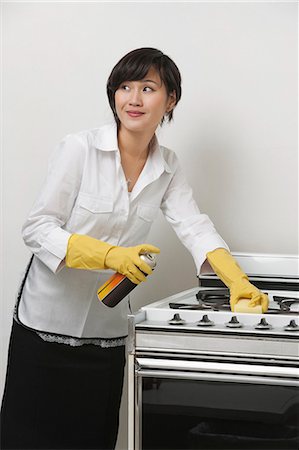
{"x":171,"y":101}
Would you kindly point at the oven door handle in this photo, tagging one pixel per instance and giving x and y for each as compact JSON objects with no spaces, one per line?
{"x":202,"y":370}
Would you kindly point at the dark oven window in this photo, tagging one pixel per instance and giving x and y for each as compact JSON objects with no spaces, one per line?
{"x":192,"y":414}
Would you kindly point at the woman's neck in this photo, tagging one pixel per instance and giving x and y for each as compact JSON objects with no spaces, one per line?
{"x":134,"y":150}
{"x":133,"y":143}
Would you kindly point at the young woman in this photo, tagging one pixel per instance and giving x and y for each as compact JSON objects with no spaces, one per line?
{"x":104,"y":189}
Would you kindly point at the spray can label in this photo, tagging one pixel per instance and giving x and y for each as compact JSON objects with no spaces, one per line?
{"x":119,"y":286}
{"x":110,"y":285}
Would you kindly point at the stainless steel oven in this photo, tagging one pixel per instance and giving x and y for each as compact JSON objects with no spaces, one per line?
{"x":208,"y":403}
{"x":195,"y":386}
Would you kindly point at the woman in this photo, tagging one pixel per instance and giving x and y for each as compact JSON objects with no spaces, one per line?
{"x":104,"y":189}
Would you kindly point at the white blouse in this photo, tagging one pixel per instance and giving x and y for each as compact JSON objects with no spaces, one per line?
{"x":85,"y":192}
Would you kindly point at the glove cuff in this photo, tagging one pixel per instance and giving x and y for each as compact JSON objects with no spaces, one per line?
{"x":225,"y":266}
{"x":106,"y":254}
{"x":85,"y":252}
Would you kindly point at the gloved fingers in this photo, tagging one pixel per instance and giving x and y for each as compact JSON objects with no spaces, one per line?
{"x":135,"y":275}
{"x":147,"y":248}
{"x":233,"y":301}
{"x":235,"y":297}
{"x":255,"y":299}
{"x":139,"y":275}
{"x":260,"y":299}
{"x":142,"y":265}
{"x":132,"y":278}
{"x":265,"y":302}
{"x":142,"y":249}
{"x":232,"y":305}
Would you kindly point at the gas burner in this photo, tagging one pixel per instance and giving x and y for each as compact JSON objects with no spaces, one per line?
{"x":292,"y":326}
{"x":212,"y":295}
{"x":209,"y":299}
{"x":205,"y":321}
{"x":233,"y":323}
{"x":285,"y":303}
{"x":176,"y":320}
{"x":200,"y":306}
{"x":263,"y":325}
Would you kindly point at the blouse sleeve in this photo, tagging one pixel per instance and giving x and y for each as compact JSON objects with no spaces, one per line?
{"x":195,"y":230}
{"x":43,"y":231}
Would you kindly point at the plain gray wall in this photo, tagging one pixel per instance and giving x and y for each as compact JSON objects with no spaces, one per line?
{"x":235,"y":129}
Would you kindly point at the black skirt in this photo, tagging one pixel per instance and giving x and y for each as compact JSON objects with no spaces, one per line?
{"x":60,"y":397}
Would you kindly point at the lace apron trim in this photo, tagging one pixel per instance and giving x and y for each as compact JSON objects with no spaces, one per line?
{"x":76,"y":342}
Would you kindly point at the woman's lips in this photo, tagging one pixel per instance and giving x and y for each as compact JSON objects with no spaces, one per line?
{"x":135,"y":113}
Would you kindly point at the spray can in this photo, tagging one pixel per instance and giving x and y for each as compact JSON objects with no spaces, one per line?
{"x":119,"y":286}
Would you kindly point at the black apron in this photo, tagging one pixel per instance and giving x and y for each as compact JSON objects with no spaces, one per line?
{"x":60,"y":397}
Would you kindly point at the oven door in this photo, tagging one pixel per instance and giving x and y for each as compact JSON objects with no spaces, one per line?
{"x":197,"y":404}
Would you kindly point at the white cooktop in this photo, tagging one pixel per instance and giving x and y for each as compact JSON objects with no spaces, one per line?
{"x":159,"y":313}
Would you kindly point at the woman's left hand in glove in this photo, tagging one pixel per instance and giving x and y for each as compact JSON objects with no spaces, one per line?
{"x":229,"y":271}
{"x":242,"y":288}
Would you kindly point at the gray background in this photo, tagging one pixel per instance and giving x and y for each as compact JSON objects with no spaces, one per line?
{"x":235,"y":129}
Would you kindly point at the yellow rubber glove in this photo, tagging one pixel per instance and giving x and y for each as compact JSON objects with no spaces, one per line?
{"x":126,"y":260}
{"x":229,"y":271}
{"x":85,"y":252}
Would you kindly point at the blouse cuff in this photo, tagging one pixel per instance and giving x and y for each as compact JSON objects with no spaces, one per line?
{"x":53,"y":250}
{"x":199,"y":252}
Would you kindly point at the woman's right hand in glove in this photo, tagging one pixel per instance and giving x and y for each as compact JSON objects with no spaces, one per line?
{"x":85,"y":252}
{"x":127,"y":261}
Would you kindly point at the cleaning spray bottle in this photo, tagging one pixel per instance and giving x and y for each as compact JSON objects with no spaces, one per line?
{"x":118,"y":286}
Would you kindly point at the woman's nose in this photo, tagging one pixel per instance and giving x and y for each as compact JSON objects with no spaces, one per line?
{"x":136,"y":98}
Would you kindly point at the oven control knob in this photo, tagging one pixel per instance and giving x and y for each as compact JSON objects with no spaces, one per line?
{"x":263,"y":325}
{"x":292,"y":326}
{"x":176,"y":320}
{"x":205,"y":321}
{"x":233,"y":323}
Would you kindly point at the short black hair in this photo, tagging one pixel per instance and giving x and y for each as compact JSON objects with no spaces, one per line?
{"x":135,"y":65}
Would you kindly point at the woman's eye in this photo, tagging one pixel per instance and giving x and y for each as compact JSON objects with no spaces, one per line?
{"x":125,"y":87}
{"x":148,"y":89}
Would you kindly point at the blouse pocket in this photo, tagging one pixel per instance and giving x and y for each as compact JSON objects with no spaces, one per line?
{"x":147,"y":212}
{"x":87,"y":204}
{"x":142,"y":221}
{"x":91,"y":215}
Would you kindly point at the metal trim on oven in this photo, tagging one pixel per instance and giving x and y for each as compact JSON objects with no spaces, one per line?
{"x":202,"y":376}
{"x":250,"y":370}
{"x":249,"y":357}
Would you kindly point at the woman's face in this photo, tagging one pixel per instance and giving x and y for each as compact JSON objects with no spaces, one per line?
{"x":140,"y":105}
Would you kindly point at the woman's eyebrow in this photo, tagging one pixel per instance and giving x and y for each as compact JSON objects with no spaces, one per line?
{"x":150,"y":81}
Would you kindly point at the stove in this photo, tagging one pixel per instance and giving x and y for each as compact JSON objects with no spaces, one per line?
{"x":190,"y":344}
{"x":192,"y":311}
{"x":204,"y":311}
